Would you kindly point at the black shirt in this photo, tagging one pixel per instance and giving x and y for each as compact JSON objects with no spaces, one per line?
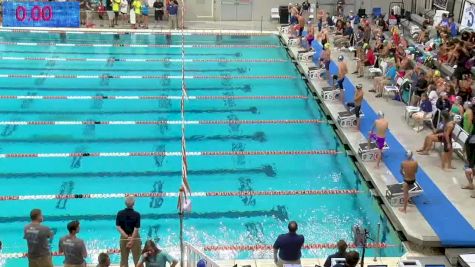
{"x":289,"y":246}
{"x":328,"y":262}
{"x":109,"y":5}
{"x":128,"y":219}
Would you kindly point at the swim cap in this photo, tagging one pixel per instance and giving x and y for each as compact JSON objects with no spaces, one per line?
{"x":437,"y":73}
{"x":340,"y":58}
{"x":381,"y":114}
{"x":365,"y":46}
{"x":327,"y":46}
{"x":385,"y":42}
{"x":457,"y":118}
{"x":409,"y":154}
{"x":359,"y":86}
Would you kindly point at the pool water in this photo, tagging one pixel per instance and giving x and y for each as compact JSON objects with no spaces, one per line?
{"x":229,"y":220}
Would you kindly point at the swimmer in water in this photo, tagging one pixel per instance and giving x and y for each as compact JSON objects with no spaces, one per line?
{"x":381,"y":125}
{"x":408,"y":170}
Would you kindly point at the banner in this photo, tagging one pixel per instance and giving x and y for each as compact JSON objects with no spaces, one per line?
{"x":40,"y":14}
{"x":468,"y":15}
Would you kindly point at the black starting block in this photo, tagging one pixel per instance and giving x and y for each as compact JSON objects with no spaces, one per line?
{"x":294,"y":41}
{"x":347,"y":119}
{"x":315,"y":72}
{"x":395,"y":194}
{"x":369,"y":154}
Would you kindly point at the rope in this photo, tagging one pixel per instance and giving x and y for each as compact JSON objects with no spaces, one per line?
{"x":195,"y":194}
{"x":144,"y":32}
{"x":173,"y":154}
{"x":162,"y":122}
{"x":136,"y":45}
{"x":143,"y":59}
{"x":270,"y":247}
{"x":102,"y":97}
{"x":74,"y":76}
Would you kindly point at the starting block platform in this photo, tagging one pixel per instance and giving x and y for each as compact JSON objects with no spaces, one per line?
{"x":284,"y":29}
{"x":347,"y":119}
{"x":395,"y":194}
{"x":330,"y":93}
{"x":369,"y":154}
{"x":314,"y":73}
{"x":305,"y":56}
{"x":294,"y":41}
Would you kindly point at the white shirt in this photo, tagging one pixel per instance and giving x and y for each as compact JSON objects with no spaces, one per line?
{"x":433,"y":97}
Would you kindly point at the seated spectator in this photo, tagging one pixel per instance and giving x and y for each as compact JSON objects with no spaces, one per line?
{"x":465,"y":87}
{"x":443,"y":104}
{"x":103,"y":260}
{"x":288,"y":246}
{"x":438,"y":135}
{"x":345,"y":38}
{"x":352,"y":258}
{"x":426,"y":110}
{"x":341,"y":253}
{"x":380,"y":82}
{"x":457,"y":108}
{"x":433,"y":97}
{"x":468,"y":117}
{"x":153,"y":256}
{"x":420,"y":86}
{"x":368,"y":60}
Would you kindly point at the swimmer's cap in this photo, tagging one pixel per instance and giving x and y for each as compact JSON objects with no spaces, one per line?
{"x":437,"y":73}
{"x":409,"y":154}
{"x":457,"y":118}
{"x":340,"y":58}
{"x":359,"y":86}
{"x":381,"y":114}
{"x":327,"y":46}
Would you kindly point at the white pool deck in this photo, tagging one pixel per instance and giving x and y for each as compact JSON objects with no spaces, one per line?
{"x":412,"y":224}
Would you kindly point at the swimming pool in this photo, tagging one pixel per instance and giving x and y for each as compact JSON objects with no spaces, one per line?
{"x":229,"y":78}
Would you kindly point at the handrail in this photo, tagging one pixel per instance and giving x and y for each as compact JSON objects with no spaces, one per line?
{"x":193,"y":255}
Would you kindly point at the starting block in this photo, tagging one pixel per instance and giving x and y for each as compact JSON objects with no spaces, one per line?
{"x":330,"y":93}
{"x":305,"y":56}
{"x":347,"y":119}
{"x":294,"y":41}
{"x":284,"y":29}
{"x":315,"y":72}
{"x":369,"y":154}
{"x":395,"y":195}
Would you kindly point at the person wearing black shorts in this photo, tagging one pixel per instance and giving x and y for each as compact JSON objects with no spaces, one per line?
{"x":358,"y":102}
{"x":470,"y":162}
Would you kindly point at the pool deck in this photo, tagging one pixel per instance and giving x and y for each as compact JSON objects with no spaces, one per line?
{"x":448,"y":182}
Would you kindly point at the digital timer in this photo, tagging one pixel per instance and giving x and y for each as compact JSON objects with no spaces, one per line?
{"x":40,"y":14}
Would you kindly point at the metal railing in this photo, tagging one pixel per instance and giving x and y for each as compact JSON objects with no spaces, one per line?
{"x":193,"y":255}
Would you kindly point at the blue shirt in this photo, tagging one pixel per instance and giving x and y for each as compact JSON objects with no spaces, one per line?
{"x":453,"y":29}
{"x":391,"y":72}
{"x":289,"y":246}
{"x":172,"y":9}
{"x":426,"y":106}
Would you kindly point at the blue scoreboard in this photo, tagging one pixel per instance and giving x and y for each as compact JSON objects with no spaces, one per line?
{"x":40,"y":14}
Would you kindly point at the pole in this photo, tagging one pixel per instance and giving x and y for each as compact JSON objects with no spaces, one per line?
{"x":364,"y":247}
{"x":182,"y":246}
{"x":377,"y":241}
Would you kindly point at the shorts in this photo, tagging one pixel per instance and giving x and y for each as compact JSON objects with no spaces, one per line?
{"x":357,"y":111}
{"x":327,"y":65}
{"x":379,"y":140}
{"x":409,"y":182}
{"x":445,"y":143}
{"x":116,"y":14}
{"x":110,"y":14}
{"x":340,"y":83}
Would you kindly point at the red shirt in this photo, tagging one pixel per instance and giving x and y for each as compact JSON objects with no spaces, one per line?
{"x":370,"y":58}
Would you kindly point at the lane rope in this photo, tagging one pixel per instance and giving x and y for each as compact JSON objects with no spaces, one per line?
{"x":174,"y":195}
{"x":75,"y":76}
{"x":144,"y":59}
{"x":163,"y":122}
{"x":154,"y":97}
{"x":212,"y":248}
{"x":136,"y":45}
{"x":145,"y":32}
{"x":171,"y":154}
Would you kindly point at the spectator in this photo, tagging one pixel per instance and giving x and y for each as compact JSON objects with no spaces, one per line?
{"x":368,"y":60}
{"x":380,"y":82}
{"x":124,"y":9}
{"x":425,"y":110}
{"x":408,"y":170}
{"x":152,"y":256}
{"x":101,"y":10}
{"x":433,"y":97}
{"x":468,"y":117}
{"x":144,"y":10}
{"x":158,"y":6}
{"x":103,"y":260}
{"x":73,"y":248}
{"x":341,"y":253}
{"x":128,"y":225}
{"x":172,"y":10}
{"x":457,"y":108}
{"x":110,"y":13}
{"x":133,"y":14}
{"x":419,"y":85}
{"x":345,"y":38}
{"x":351,"y":258}
{"x":465,"y":86}
{"x":358,"y":101}
{"x":38,"y":237}
{"x":116,"y":9}
{"x":447,"y":140}
{"x":470,"y":163}
{"x":443,"y":103}
{"x":137,"y":6}
{"x":288,"y":246}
